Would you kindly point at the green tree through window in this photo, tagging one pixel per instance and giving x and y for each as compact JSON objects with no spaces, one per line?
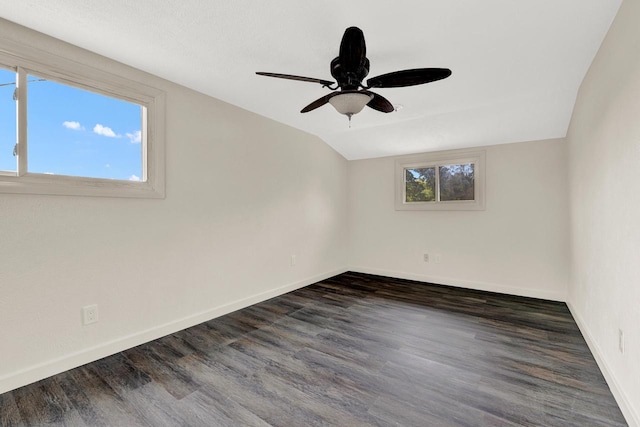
{"x":456,"y":182}
{"x":421,"y":184}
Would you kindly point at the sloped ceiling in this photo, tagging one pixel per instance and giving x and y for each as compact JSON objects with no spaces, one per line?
{"x":517,"y":65}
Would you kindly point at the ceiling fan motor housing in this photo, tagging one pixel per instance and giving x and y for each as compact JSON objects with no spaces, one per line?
{"x":349,"y":79}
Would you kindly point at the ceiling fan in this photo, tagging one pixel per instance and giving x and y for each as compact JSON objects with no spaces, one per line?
{"x":349,"y":95}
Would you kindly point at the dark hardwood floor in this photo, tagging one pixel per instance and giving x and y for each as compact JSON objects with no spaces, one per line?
{"x":352,"y":350}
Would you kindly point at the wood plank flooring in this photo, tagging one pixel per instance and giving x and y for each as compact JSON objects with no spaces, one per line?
{"x":353,"y":350}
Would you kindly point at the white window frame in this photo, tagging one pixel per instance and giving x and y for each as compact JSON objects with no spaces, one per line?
{"x":29,"y":60}
{"x":436,"y":159}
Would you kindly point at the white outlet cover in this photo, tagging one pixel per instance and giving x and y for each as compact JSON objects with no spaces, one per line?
{"x":89,"y":314}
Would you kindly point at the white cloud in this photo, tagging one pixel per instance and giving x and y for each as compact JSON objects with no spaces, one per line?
{"x":134,"y":178}
{"x":105,"y":131}
{"x":135,"y":137}
{"x":72,"y":125}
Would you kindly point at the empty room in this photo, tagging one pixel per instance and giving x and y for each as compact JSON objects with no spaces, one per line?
{"x":290,"y":213}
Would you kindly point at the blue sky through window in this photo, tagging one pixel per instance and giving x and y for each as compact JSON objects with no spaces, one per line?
{"x":73,"y":132}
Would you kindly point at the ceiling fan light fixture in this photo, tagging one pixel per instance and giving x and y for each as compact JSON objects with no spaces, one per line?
{"x":350,"y":103}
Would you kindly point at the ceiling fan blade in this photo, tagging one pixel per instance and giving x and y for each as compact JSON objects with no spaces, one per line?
{"x":413,"y":77}
{"x":299,"y":78}
{"x":379,"y":103}
{"x":318,"y":102}
{"x":353,"y":51}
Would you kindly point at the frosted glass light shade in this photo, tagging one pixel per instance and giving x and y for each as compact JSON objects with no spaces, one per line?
{"x":350,"y":103}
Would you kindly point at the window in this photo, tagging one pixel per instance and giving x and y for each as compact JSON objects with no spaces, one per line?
{"x":70,"y":129}
{"x":448,"y":180}
{"x":88,"y":135}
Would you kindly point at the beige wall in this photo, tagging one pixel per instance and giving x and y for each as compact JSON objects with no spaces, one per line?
{"x":243,"y":194}
{"x":604,"y":153}
{"x":518,"y":245}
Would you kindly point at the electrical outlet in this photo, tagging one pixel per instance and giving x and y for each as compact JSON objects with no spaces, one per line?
{"x":425,"y":257}
{"x":89,"y":314}
{"x":437,"y":258}
{"x":293,"y":260}
{"x":620,"y":340}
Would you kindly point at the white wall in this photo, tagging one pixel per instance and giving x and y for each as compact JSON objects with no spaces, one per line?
{"x":518,"y":245}
{"x":604,"y":153}
{"x":243,"y":194}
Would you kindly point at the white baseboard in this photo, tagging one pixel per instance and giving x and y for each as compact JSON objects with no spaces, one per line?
{"x":79,"y":358}
{"x":480,"y":286}
{"x":623,"y":402}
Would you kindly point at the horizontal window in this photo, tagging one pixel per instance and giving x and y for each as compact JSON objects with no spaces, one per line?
{"x":74,"y":130}
{"x":451,"y":180}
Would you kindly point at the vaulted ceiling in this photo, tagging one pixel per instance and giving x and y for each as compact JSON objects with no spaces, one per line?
{"x":517,"y":65}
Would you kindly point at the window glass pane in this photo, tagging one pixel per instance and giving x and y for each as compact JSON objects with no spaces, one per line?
{"x":420,"y":185}
{"x":8,"y":140}
{"x":456,"y":182}
{"x":75,"y":132}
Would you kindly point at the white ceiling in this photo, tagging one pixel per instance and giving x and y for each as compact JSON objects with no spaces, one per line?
{"x":517,"y":65}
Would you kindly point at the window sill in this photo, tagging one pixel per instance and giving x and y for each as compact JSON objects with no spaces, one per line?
{"x":75,"y":186}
